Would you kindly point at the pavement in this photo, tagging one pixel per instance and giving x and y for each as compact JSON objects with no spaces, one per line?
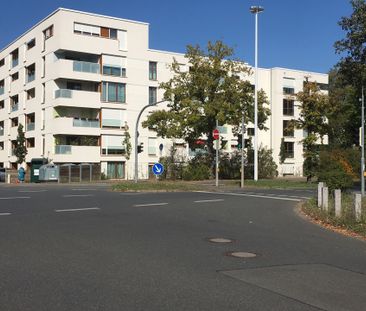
{"x":84,"y":247}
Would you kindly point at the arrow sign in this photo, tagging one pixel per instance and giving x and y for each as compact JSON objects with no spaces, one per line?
{"x":158,"y":169}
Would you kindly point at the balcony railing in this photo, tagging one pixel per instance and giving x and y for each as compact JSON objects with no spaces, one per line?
{"x":1,"y":90}
{"x":62,"y":149}
{"x":64,"y":93}
{"x":86,"y":67}
{"x":112,"y":123}
{"x":1,"y":132}
{"x":86,"y":123}
{"x":15,"y":62}
{"x":14,"y":107}
{"x":30,"y":127}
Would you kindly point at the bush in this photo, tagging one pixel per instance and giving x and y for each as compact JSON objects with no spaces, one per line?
{"x":196,"y":171}
{"x":334,"y":172}
{"x":229,"y":166}
{"x":267,"y":167}
{"x":173,"y":165}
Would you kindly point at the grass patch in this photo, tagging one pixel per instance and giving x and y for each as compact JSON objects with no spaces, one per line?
{"x":347,"y":220}
{"x":154,"y":186}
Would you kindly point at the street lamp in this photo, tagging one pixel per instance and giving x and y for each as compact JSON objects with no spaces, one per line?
{"x":137,"y":134}
{"x":255,"y":10}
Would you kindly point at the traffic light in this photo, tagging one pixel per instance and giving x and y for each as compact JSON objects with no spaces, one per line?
{"x":240,"y":138}
{"x":140,"y":148}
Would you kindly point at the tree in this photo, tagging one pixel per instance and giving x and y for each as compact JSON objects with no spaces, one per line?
{"x":20,"y":149}
{"x":211,"y":90}
{"x":282,"y":154}
{"x":127,"y":143}
{"x":314,"y":107}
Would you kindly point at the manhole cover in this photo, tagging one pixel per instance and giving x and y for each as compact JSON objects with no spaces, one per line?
{"x":241,"y":254}
{"x":220,"y":240}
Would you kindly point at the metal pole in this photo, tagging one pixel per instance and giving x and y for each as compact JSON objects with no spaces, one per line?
{"x":137,"y":135}
{"x":363,"y":144}
{"x":217,"y":156}
{"x":256,"y":101}
{"x":242,"y":150}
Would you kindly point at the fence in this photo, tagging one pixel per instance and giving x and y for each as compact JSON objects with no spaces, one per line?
{"x":79,"y":173}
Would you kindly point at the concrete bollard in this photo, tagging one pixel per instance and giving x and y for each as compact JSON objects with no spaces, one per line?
{"x":8,"y":179}
{"x":337,"y":202}
{"x":358,"y":205}
{"x":325,"y":203}
{"x":320,"y":197}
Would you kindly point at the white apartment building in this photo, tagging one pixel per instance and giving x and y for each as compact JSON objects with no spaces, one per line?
{"x":78,"y":80}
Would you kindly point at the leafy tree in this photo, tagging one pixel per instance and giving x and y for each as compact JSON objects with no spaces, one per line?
{"x":282,"y":154}
{"x":209,"y":91}
{"x":127,"y":143}
{"x":20,"y":149}
{"x":314,"y":107}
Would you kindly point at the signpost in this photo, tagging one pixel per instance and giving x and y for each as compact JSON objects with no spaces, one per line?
{"x":216,"y":136}
{"x":158,"y":169}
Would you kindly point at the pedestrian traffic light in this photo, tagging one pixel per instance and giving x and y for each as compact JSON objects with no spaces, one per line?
{"x":140,"y":148}
{"x":240,"y":138}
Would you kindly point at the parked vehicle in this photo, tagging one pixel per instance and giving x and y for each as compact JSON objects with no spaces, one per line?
{"x":2,"y":174}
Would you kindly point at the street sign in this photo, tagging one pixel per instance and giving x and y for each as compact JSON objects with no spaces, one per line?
{"x":158,"y":169}
{"x":215,"y":134}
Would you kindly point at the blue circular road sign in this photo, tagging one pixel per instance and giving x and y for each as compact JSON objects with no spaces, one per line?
{"x":158,"y":169}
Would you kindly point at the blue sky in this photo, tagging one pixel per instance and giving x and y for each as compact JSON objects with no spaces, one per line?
{"x":296,"y":34}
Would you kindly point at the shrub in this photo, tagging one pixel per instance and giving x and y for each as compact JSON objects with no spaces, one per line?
{"x":267,"y":168}
{"x":229,"y":166}
{"x":196,"y":171}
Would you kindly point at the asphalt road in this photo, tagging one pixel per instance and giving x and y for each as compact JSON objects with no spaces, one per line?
{"x":87,"y":248}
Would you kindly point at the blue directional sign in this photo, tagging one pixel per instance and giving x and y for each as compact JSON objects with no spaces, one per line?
{"x":158,"y":169}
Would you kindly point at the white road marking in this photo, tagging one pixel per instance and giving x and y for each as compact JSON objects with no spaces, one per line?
{"x":208,"y":201}
{"x":32,"y":191}
{"x":83,"y":189}
{"x":77,"y":195}
{"x":14,"y":198}
{"x":76,"y":209}
{"x":252,"y":195}
{"x":150,"y":204}
{"x":5,"y":214}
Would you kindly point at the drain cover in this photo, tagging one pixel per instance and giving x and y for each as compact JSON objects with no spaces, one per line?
{"x":241,"y":254}
{"x":220,"y":240}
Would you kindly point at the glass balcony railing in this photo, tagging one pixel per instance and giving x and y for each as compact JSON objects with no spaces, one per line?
{"x":63,"y":93}
{"x":15,"y":62}
{"x":14,"y":107}
{"x":30,"y":126}
{"x":86,"y":123}
{"x":1,"y":90}
{"x":1,"y":132}
{"x":85,"y":67}
{"x":112,"y":123}
{"x":62,"y":149}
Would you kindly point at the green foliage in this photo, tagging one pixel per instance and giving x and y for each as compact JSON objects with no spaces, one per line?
{"x":333,"y":172}
{"x":173,"y":165}
{"x":197,"y":169}
{"x":20,"y":149}
{"x":127,"y":143}
{"x":282,"y":153}
{"x":209,"y":91}
{"x":230,"y":165}
{"x":267,"y":168}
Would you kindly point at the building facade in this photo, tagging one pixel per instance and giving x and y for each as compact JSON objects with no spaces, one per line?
{"x":76,"y":81}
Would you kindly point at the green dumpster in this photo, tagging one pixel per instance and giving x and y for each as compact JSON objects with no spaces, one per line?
{"x":35,"y":165}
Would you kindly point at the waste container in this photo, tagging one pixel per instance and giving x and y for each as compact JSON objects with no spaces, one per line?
{"x":35,"y":165}
{"x":48,"y":172}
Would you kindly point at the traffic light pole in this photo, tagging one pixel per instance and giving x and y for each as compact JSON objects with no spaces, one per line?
{"x":242,"y":150}
{"x":363,"y":144}
{"x":137,"y":137}
{"x":217,"y":156}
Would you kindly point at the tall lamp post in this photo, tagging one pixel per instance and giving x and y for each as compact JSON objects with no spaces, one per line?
{"x":362,"y":143}
{"x":256,"y":10}
{"x":137,"y":136}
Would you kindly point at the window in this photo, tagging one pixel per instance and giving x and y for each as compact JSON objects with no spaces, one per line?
{"x":250,"y":131}
{"x":1,"y":128}
{"x":2,"y":62}
{"x":288,"y":129}
{"x":14,"y":58}
{"x":112,"y":71}
{"x":114,"y":65}
{"x":31,"y":44}
{"x":113,"y":144}
{"x":30,"y":142}
{"x":113,"y":118}
{"x":2,"y":87}
{"x":288,"y":107}
{"x":87,"y":30}
{"x":31,"y":72}
{"x":15,"y":76}
{"x":14,"y":122}
{"x":31,"y":93}
{"x":30,"y":121}
{"x":114,"y":92}
{"x":2,"y":104}
{"x":289,"y":149}
{"x":108,"y":33}
{"x":153,"y":70}
{"x":323,"y":86}
{"x":152,"y":146}
{"x":1,"y":145}
{"x":288,"y":91}
{"x":48,"y":33}
{"x":113,"y":33}
{"x":152,"y":95}
{"x":73,"y":86}
{"x":14,"y":103}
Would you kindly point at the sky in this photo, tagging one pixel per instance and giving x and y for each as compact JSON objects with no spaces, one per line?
{"x":296,"y":34}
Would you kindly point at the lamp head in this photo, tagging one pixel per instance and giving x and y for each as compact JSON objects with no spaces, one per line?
{"x":255,"y":9}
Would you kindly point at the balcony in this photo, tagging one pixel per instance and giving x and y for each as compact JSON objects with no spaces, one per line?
{"x":72,"y":126}
{"x":31,"y":77}
{"x":76,"y":98}
{"x":67,"y":153}
{"x":14,"y":62}
{"x":81,"y":66}
{"x":15,"y":107}
{"x":2,"y":90}
{"x":112,"y":123}
{"x":1,"y":132}
{"x":30,"y":127}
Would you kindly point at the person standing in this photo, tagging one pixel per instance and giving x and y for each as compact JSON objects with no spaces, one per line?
{"x":21,"y":174}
